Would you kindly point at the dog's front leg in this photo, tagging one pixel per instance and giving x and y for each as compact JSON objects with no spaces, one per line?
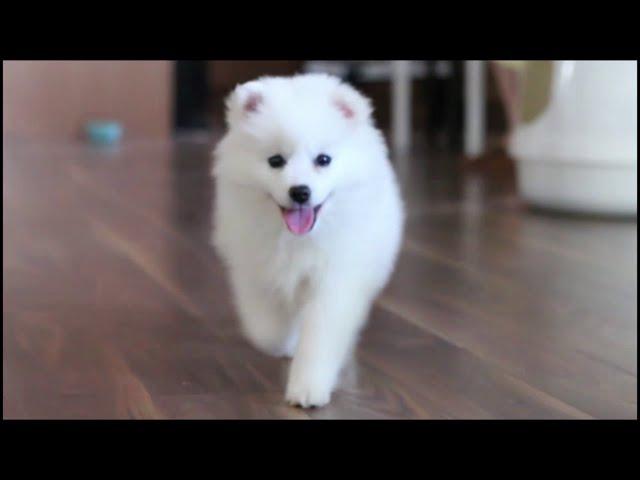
{"x":330,"y":323}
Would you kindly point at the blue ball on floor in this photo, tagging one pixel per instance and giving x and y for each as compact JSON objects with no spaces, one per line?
{"x":103,"y":132}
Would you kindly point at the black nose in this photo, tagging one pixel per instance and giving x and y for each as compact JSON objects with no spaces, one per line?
{"x":300,"y":193}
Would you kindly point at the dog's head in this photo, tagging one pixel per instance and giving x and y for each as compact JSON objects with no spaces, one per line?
{"x":298,"y":140}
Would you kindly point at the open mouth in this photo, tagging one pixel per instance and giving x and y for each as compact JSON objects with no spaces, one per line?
{"x":300,"y":220}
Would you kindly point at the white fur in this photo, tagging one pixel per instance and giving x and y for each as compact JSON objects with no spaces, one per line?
{"x":308,"y":296}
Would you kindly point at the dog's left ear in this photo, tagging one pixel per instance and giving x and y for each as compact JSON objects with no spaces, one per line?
{"x":353,"y":106}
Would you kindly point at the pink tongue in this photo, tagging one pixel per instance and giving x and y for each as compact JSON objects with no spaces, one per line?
{"x":299,"y":220}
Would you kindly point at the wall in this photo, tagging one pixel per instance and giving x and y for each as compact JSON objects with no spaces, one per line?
{"x":51,"y":100}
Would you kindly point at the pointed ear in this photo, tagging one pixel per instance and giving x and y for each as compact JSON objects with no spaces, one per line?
{"x":245,"y":100}
{"x":353,"y":106}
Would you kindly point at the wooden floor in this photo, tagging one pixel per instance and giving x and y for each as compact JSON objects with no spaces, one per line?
{"x":115,"y":306}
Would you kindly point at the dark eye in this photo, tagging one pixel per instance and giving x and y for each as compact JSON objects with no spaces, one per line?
{"x":323,"y":160}
{"x":277,"y":161}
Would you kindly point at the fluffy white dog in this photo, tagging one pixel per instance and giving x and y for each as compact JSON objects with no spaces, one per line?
{"x":308,"y":219}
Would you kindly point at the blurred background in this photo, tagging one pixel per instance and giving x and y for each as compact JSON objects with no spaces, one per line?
{"x":515,"y":294}
{"x":52,"y":100}
{"x":470,"y":109}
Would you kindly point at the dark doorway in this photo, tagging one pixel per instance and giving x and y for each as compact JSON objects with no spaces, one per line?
{"x":192,"y":102}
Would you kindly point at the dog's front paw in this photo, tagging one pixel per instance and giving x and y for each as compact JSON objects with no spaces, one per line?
{"x":308,"y":394}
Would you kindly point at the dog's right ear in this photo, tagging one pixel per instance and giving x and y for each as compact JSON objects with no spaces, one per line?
{"x":353,"y":106}
{"x":245,"y":100}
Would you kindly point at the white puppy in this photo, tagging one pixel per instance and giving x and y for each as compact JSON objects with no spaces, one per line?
{"x":308,"y":219}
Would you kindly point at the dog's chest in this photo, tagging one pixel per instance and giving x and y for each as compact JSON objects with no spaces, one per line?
{"x":294,"y":268}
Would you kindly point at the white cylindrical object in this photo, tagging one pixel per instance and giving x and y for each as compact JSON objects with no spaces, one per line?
{"x":580,"y":154}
